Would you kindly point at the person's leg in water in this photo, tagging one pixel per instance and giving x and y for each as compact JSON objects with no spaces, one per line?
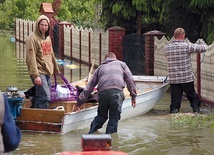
{"x":115,"y":109}
{"x":176,"y":96}
{"x":102,"y":112}
{"x":192,"y":96}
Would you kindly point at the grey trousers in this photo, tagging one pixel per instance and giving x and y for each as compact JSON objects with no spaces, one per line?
{"x":42,"y":96}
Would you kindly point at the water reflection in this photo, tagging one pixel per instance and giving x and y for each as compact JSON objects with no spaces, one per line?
{"x":155,"y":135}
{"x":14,"y":70}
{"x":150,"y":134}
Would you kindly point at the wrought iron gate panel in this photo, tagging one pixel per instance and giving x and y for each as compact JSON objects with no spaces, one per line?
{"x":56,"y":40}
{"x":134,"y":53}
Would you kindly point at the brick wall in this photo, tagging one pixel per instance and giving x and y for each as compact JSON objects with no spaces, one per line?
{"x":116,"y":34}
{"x":149,"y":50}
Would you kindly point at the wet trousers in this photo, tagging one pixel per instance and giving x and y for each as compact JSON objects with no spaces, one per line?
{"x":110,"y":106}
{"x":177,"y":92}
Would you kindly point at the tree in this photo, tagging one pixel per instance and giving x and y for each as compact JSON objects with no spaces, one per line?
{"x":138,"y":16}
{"x":80,"y":13}
{"x":180,"y":14}
{"x":133,"y":14}
{"x":195,"y":16}
{"x":12,"y":9}
{"x":206,"y":18}
{"x":2,"y":1}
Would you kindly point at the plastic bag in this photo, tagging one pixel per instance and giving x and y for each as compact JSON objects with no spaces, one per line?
{"x":66,"y":92}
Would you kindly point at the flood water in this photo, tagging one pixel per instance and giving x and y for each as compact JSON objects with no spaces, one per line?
{"x":14,"y":70}
{"x":154,"y":133}
{"x":151,"y":134}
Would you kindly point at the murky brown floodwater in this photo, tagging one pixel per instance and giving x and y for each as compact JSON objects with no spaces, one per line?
{"x":151,"y":134}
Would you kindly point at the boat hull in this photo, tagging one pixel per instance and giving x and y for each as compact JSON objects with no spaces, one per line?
{"x":145,"y":102}
{"x":40,"y":120}
{"x":44,"y":120}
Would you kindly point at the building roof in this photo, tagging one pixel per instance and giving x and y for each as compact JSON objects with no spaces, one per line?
{"x":46,"y":7}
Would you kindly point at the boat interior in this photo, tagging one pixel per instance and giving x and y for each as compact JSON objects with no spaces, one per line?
{"x":67,"y":106}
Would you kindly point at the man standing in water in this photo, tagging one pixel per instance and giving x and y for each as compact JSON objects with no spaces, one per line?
{"x":181,"y":77}
{"x":110,"y":78}
{"x":41,"y":62}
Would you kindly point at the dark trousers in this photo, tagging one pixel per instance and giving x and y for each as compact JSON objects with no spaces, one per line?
{"x":110,"y":106}
{"x":177,"y":92}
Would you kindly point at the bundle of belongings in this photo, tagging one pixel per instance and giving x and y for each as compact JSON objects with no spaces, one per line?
{"x":30,"y":94}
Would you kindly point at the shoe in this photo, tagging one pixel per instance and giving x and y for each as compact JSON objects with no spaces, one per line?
{"x":196,"y":110}
{"x":174,"y":111}
{"x":93,"y":128}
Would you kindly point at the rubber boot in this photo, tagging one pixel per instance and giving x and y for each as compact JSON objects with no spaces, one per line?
{"x":93,"y":128}
{"x":196,"y":107}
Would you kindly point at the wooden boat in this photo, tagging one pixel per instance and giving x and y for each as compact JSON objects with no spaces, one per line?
{"x":150,"y":90}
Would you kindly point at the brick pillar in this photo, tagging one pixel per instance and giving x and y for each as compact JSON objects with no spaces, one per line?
{"x":116,"y":34}
{"x":149,"y":50}
{"x":52,"y":23}
{"x":61,"y":38}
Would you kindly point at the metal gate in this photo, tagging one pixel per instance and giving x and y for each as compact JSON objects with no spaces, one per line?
{"x":56,"y":40}
{"x":134,"y":53}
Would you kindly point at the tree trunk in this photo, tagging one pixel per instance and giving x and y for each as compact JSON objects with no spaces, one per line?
{"x":139,"y":22}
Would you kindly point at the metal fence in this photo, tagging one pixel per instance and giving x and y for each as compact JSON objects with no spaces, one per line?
{"x":134,"y":53}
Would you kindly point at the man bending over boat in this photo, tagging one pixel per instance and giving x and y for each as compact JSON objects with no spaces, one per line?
{"x":110,"y":78}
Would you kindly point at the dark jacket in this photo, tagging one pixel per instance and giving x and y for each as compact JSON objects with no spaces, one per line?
{"x":10,"y":132}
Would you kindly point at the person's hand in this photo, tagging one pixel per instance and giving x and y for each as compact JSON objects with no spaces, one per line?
{"x":133,"y":103}
{"x":38,"y":81}
{"x":75,"y":108}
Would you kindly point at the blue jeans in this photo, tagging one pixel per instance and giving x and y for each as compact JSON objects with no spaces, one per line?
{"x":42,"y":96}
{"x":110,"y":106}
